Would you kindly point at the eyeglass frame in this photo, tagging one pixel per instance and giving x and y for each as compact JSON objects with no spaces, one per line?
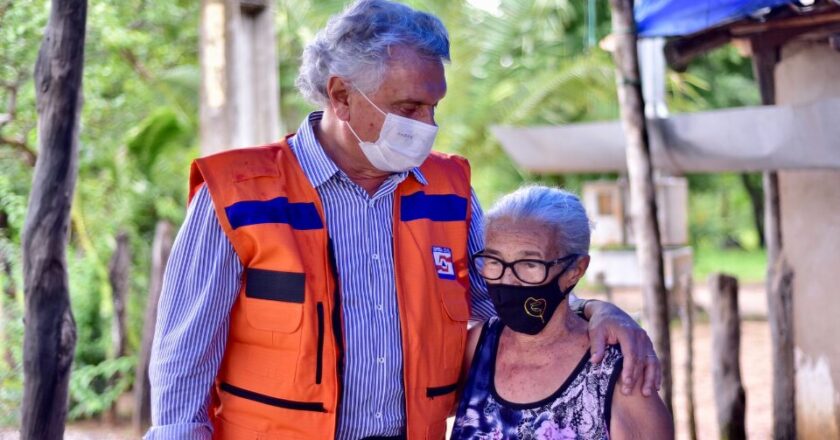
{"x":505,"y":265}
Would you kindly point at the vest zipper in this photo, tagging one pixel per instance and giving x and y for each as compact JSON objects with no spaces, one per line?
{"x":320,"y":354}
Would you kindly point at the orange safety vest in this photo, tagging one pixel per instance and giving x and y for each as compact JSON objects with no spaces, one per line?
{"x":281,"y":373}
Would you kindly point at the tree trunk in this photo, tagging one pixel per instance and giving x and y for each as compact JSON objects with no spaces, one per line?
{"x":642,"y":189}
{"x":50,"y":331}
{"x":730,"y":398}
{"x":756,"y":196}
{"x":160,"y":255}
{"x":687,"y":317}
{"x":118,"y":275}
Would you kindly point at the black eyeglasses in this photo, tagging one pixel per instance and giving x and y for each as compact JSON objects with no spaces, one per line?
{"x":529,"y":271}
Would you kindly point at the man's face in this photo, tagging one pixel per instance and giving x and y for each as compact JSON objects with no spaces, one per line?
{"x":412,"y":87}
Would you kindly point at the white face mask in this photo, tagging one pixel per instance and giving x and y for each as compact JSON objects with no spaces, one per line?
{"x":402,"y":145}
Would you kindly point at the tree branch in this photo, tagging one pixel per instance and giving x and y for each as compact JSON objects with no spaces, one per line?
{"x":20,"y":146}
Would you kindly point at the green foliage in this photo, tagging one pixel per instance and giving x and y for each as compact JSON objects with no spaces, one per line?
{"x":94,"y":388}
{"x":750,"y":266}
{"x":154,"y":134}
{"x":11,"y":348}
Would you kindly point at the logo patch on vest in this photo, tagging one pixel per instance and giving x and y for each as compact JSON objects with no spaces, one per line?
{"x":443,"y":262}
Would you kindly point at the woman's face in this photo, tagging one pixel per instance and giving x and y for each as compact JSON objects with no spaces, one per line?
{"x":511,"y":240}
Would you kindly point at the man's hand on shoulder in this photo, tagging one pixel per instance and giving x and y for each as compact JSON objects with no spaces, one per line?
{"x":609,"y":325}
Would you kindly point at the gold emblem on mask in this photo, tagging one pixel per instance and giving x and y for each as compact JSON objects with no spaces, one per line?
{"x":535,"y":308}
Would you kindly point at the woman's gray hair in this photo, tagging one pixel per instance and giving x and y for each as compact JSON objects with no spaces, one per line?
{"x":560,"y":209}
{"x":355,"y":45}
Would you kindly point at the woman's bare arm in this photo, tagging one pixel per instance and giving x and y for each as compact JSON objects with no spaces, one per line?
{"x":635,"y":416}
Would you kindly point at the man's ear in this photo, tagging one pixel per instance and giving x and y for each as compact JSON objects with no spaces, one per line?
{"x":338,"y":91}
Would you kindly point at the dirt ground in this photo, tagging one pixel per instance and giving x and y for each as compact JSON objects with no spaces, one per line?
{"x":756,"y":372}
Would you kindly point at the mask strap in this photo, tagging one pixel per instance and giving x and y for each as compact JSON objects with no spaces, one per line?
{"x":368,"y":100}
{"x":353,"y":131}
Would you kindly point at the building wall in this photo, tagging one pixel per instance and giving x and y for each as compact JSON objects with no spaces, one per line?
{"x":810,"y":204}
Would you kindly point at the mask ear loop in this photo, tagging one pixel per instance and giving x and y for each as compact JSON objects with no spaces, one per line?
{"x":368,"y":100}
{"x":371,"y":103}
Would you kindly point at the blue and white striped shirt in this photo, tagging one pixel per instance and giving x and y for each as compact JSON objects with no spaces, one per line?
{"x":202,"y":281}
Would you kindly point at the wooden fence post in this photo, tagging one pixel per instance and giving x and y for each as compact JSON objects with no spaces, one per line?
{"x":686,"y":297}
{"x":119,"y":276}
{"x":642,"y":190}
{"x":730,"y":398}
{"x":161,"y":246}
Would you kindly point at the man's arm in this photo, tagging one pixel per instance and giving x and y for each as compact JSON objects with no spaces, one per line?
{"x":609,"y":324}
{"x":200,"y":286}
{"x":481,"y":307}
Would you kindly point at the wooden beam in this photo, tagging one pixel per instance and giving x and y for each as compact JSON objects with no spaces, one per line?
{"x":772,"y":33}
{"x":742,"y":29}
{"x":680,"y":51}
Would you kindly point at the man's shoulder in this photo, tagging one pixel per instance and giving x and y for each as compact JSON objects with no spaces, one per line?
{"x":245,"y":163}
{"x":446,"y":164}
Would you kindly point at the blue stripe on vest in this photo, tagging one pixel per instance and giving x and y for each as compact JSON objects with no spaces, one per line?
{"x":301,"y":216}
{"x":438,"y":208}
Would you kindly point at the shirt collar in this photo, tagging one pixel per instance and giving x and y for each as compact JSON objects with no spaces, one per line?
{"x":317,"y":166}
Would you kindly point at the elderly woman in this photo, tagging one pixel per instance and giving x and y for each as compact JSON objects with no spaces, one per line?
{"x":529,"y":370}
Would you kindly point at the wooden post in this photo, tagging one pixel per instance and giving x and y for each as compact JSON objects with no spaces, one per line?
{"x":118,"y":276}
{"x":781,"y":335}
{"x":779,"y":282}
{"x":730,"y":399}
{"x":50,"y":331}
{"x":642,"y":189}
{"x":161,"y":246}
{"x":685,"y":285}
{"x":240,"y":98}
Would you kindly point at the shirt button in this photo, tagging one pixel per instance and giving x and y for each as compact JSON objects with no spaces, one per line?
{"x":380,"y":307}
{"x":378,"y":415}
{"x":375,"y":256}
{"x":381,"y":360}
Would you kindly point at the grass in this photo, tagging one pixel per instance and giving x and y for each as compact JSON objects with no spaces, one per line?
{"x":747,"y":265}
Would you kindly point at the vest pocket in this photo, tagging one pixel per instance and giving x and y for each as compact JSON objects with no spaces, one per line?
{"x":272,"y":401}
{"x":274,"y":300}
{"x":455,"y":300}
{"x":433,"y":392}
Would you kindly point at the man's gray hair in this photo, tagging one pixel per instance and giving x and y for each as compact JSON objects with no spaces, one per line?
{"x":557,"y":208}
{"x":355,"y":46}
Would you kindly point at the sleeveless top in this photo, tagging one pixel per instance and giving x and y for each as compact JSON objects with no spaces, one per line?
{"x":579,"y":409}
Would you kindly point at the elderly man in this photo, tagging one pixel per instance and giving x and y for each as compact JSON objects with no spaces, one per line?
{"x":319,"y":287}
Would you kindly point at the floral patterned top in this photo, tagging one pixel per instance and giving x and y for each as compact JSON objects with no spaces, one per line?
{"x":579,"y":409}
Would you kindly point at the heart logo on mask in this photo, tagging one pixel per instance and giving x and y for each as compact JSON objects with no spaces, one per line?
{"x":535,"y":307}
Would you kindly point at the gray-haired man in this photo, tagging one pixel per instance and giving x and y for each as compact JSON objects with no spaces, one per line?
{"x":319,"y":287}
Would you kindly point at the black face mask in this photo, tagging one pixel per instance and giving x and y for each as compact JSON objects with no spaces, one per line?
{"x":527,"y":309}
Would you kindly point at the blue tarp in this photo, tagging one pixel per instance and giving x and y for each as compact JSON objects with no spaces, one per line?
{"x":663,"y":18}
